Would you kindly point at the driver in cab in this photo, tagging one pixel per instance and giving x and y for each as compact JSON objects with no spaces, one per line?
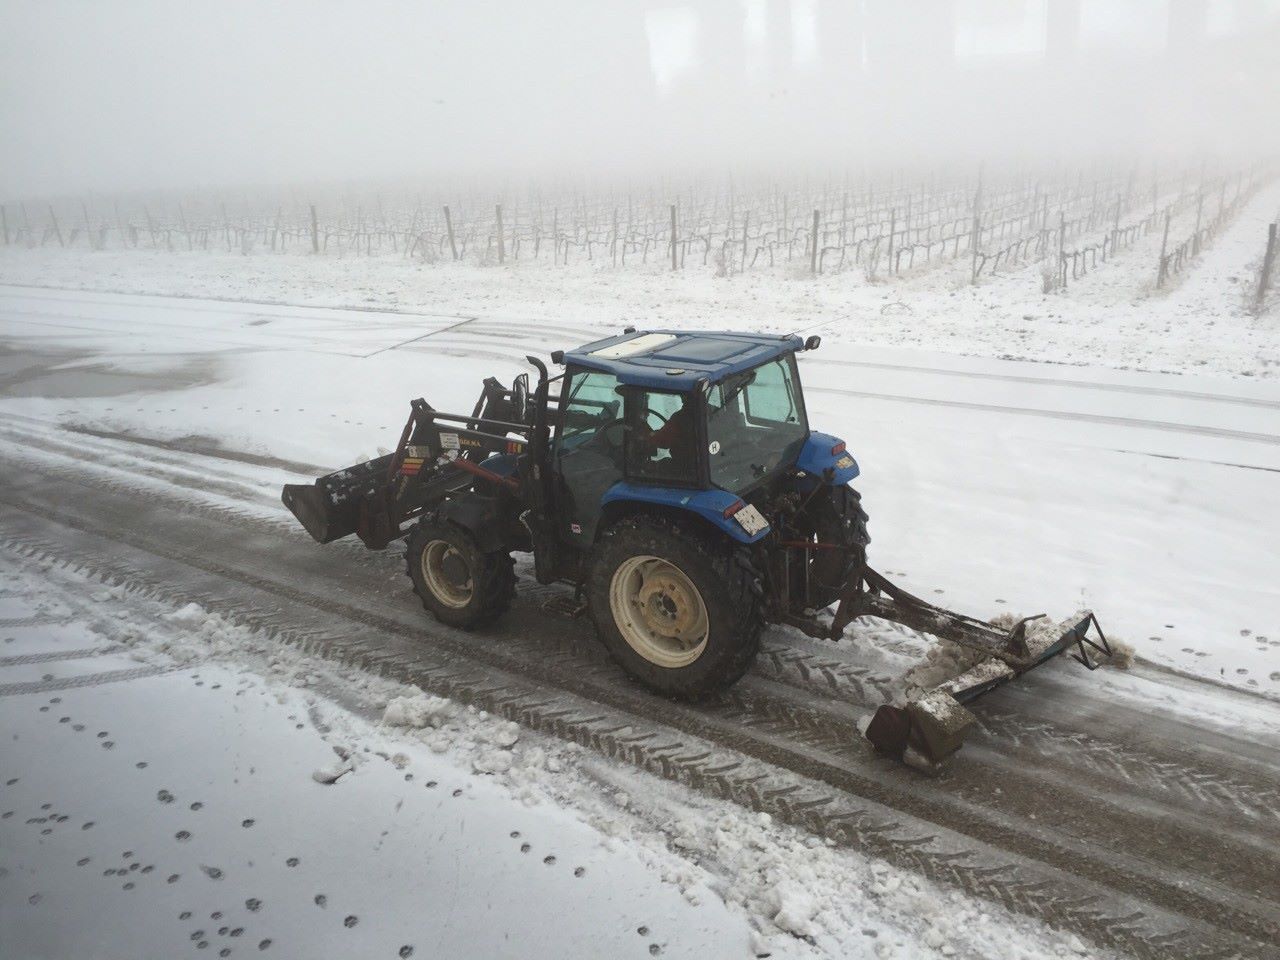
{"x":676,"y":436}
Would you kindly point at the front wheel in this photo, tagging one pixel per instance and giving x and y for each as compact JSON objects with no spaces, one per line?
{"x":462,"y":585}
{"x":673,"y":606}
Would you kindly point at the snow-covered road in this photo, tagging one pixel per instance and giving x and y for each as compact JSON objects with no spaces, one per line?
{"x":179,"y":526}
{"x":217,"y":837}
{"x":1006,"y":484}
{"x":104,"y":634}
{"x":998,"y":482}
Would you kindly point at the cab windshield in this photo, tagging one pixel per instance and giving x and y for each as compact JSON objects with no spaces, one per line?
{"x":755,"y":423}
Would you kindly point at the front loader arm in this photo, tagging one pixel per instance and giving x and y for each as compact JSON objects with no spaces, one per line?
{"x":438,"y":454}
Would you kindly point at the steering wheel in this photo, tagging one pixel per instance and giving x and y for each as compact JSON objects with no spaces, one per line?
{"x":650,"y":410}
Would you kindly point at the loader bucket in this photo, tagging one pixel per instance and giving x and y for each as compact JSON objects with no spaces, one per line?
{"x":307,"y":502}
{"x":330,"y":508}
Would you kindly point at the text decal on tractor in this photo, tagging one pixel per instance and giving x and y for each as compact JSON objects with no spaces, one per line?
{"x":673,"y":479}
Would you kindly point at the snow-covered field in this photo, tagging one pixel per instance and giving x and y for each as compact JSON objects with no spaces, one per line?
{"x":1109,"y":447}
{"x":1114,"y":317}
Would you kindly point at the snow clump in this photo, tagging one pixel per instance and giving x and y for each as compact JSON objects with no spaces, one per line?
{"x":418,"y":711}
{"x":793,"y":908}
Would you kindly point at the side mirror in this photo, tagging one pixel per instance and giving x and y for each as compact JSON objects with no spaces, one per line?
{"x":813,"y":343}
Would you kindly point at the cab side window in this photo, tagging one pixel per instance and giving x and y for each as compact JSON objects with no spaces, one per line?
{"x":769,"y":395}
{"x":592,"y":402}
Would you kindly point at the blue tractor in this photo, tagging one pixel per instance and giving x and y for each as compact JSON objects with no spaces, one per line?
{"x":673,"y":479}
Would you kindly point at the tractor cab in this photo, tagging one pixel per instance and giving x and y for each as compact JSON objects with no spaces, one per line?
{"x":670,"y":415}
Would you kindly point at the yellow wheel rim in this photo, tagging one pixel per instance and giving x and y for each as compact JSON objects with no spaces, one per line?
{"x":434,"y":557}
{"x":659,"y":611}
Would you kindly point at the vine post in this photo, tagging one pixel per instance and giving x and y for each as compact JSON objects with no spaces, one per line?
{"x":1164,"y":248}
{"x":813,"y":246}
{"x":502,"y":250}
{"x":1268,"y":260}
{"x":448,"y":225}
{"x":674,"y":263}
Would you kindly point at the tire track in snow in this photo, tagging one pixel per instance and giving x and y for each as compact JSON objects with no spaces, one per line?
{"x":756,"y":727}
{"x":81,"y":654}
{"x":106,"y":327}
{"x":1021,"y":736}
{"x":1087,"y":385}
{"x":187,"y":445}
{"x":323,"y":314}
{"x":1102,"y":418}
{"x":84,"y":680}
{"x":820,"y":672}
{"x":36,"y":620}
{"x":1107,"y":915}
{"x":1214,"y":463}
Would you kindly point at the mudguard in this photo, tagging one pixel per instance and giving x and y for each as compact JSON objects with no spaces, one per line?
{"x":479,"y":517}
{"x":822,"y":452}
{"x":710,"y":505}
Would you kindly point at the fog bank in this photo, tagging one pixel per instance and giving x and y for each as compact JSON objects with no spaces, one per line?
{"x":160,"y":94}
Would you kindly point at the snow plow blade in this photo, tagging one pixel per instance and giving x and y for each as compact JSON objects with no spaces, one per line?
{"x":933,"y":725}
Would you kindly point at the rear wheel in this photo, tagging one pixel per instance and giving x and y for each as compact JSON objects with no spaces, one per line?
{"x":462,"y":585}
{"x":673,"y":606}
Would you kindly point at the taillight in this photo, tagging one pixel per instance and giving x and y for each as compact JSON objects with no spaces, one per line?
{"x":837,"y":449}
{"x":733,"y":508}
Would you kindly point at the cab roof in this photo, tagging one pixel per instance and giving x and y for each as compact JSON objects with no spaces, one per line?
{"x":679,"y":359}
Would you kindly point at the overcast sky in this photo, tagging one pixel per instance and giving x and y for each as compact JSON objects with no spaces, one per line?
{"x":139,"y":93}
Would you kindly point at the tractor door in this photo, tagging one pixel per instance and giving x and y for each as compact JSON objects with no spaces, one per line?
{"x":587,"y":458}
{"x":664,"y":437}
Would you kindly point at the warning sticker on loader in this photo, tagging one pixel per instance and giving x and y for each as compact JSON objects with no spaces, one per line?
{"x":449,"y":441}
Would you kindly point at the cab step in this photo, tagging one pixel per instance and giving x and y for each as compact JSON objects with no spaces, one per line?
{"x":565,"y":605}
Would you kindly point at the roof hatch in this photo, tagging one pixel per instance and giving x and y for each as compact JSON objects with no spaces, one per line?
{"x":629,"y":348}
